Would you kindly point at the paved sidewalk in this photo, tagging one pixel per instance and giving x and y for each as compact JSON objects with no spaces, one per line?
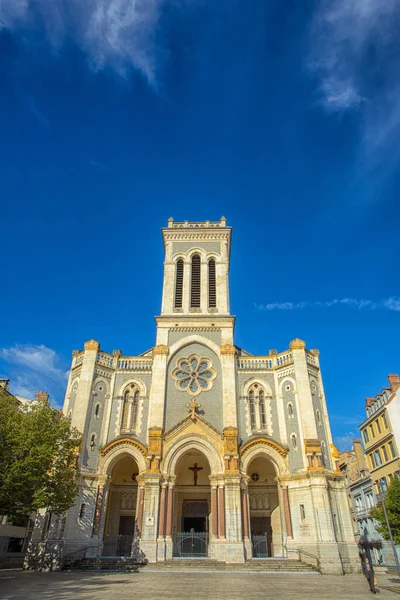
{"x":27,"y":585}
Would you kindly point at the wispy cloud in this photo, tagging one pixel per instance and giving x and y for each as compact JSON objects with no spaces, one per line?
{"x":32,"y":367}
{"x":39,"y":116}
{"x":121,"y":34}
{"x":387,"y":303}
{"x":347,"y":419}
{"x":345,"y":442}
{"x":355,"y":53}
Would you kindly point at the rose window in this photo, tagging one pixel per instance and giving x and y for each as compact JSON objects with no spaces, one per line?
{"x":194,"y":374}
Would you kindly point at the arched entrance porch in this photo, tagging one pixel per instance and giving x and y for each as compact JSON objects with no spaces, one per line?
{"x":264,"y":509}
{"x":120,"y":519}
{"x":192,"y":505}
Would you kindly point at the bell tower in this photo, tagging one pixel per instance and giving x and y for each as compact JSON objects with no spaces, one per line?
{"x":196,"y":268}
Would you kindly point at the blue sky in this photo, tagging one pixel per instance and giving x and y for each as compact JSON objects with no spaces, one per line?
{"x":282,"y":116}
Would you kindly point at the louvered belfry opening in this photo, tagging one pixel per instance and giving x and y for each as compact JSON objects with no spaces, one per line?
{"x":212,"y":285}
{"x":179,"y":284}
{"x":195,"y":282}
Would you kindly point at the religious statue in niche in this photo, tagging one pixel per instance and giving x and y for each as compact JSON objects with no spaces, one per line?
{"x":259,"y":502}
{"x":195,"y":469}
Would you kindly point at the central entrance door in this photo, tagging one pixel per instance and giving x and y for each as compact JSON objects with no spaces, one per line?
{"x":194,"y":515}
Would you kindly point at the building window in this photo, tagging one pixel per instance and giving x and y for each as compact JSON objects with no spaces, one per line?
{"x":290,"y":410}
{"x":302,"y":512}
{"x":212,"y":284}
{"x":319,"y":418}
{"x":378,"y":426}
{"x":384,"y":421}
{"x":366,"y":436}
{"x":130,"y":409}
{"x":372,"y":461}
{"x":252,"y":410}
{"x":70,"y":415}
{"x":195,"y":288}
{"x":371,"y":429}
{"x":378,"y":458}
{"x":82,"y":511}
{"x":93,"y":441}
{"x":97,"y":411}
{"x":179,"y":284}
{"x":263,"y":418}
{"x":385,"y":453}
{"x":392,"y":450}
{"x":294,"y":441}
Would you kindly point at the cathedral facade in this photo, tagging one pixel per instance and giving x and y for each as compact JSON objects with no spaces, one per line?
{"x":197,"y":439}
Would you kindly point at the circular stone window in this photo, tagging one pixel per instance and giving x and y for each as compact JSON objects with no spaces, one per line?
{"x":255,"y":476}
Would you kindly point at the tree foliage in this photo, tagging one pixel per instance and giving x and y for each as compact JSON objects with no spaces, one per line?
{"x":392,"y":502}
{"x":38,"y":466}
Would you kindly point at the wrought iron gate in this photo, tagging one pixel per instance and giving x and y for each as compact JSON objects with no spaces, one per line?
{"x":191,"y":544}
{"x":117,"y":545}
{"x":260,"y":546}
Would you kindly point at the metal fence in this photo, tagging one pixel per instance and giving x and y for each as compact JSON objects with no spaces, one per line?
{"x":260,"y":546}
{"x":191,"y":544}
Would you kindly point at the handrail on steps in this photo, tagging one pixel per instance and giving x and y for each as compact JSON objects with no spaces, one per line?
{"x":301,"y":552}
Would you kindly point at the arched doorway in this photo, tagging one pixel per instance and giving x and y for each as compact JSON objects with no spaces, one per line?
{"x":192,"y":505}
{"x":265,"y":517}
{"x":119,"y":531}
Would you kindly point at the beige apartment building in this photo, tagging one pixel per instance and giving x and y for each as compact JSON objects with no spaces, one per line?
{"x":381,"y":434}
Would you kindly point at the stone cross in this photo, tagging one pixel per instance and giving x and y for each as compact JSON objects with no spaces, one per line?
{"x":195,"y":470}
{"x":193,"y":406}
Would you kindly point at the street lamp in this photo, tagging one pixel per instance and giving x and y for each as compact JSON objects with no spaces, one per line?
{"x":382,"y":498}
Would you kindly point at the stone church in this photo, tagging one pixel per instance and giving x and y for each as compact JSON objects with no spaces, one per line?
{"x":198,"y":448}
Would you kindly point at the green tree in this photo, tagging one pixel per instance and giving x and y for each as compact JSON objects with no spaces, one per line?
{"x":392,"y":502}
{"x":38,"y":466}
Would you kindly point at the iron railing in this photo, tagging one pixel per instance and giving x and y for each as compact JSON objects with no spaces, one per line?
{"x":260,"y":546}
{"x":191,"y":544}
{"x":305,"y":557}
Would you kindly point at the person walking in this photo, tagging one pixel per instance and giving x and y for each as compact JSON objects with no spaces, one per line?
{"x":370,"y":575}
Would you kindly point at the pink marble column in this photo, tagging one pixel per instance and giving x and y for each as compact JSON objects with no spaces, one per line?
{"x":170,"y":502}
{"x":161,"y":522}
{"x":98,"y":510}
{"x":221,"y":511}
{"x":286,"y":509}
{"x":214,"y":510}
{"x":139,"y":517}
{"x":245,"y":513}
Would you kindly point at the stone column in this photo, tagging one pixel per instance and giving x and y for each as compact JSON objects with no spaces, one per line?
{"x":221,"y":512}
{"x":99,"y":505}
{"x":229,"y":385}
{"x":161,"y":525}
{"x":248,"y":548}
{"x":148,"y":541}
{"x":308,"y":424}
{"x":168,"y":528}
{"x":232,"y":524}
{"x":214,"y":511}
{"x":139,"y":518}
{"x":286,"y":510}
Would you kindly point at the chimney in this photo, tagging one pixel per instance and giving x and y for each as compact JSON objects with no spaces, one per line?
{"x":358,"y":451}
{"x":4,"y":383}
{"x":41,"y":395}
{"x":394,"y":382}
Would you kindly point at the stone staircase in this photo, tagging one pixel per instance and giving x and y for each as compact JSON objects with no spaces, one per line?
{"x":191,"y":565}
{"x":104,"y":563}
{"x":274,"y":565}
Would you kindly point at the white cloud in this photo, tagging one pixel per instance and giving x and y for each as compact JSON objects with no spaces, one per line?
{"x":345,"y":442}
{"x":355,"y":53}
{"x":31,"y":368}
{"x":387,"y":303}
{"x":121,"y":34}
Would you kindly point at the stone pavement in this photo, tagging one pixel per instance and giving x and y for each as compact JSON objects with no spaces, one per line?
{"x":27,"y":585}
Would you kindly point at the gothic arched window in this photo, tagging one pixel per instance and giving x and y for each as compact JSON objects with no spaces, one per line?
{"x":130,"y":409}
{"x":290,"y":410}
{"x":252,"y":410}
{"x":179,"y":284}
{"x":195,"y":282}
{"x":294,"y":441}
{"x":263,"y":416}
{"x":212,"y":284}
